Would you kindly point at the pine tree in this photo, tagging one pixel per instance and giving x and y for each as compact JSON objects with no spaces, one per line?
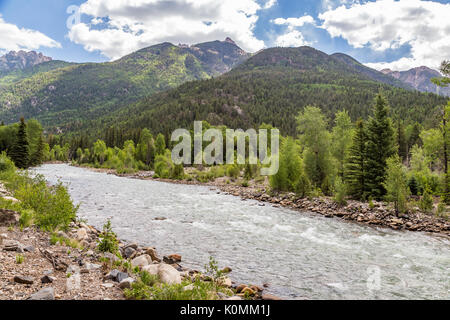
{"x":380,"y":147}
{"x":38,"y":156}
{"x":20,"y":150}
{"x":356,"y":166}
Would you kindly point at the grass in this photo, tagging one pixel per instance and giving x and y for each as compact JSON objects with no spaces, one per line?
{"x":148,"y":287}
{"x":71,"y":243}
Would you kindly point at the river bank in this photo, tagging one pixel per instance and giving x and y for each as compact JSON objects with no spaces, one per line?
{"x":35,"y":267}
{"x":84,"y":263}
{"x":378,"y":215}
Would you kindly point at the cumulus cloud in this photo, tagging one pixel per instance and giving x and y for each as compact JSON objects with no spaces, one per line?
{"x":293,"y":38}
{"x":134,"y":24}
{"x":387,"y":24}
{"x":295,"y":22}
{"x":13,"y":38}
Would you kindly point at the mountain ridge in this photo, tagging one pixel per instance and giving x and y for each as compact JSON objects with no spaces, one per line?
{"x":420,"y":79}
{"x":80,"y":91}
{"x":270,"y":87}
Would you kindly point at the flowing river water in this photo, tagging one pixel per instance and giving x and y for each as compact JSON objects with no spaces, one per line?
{"x":299,"y":254}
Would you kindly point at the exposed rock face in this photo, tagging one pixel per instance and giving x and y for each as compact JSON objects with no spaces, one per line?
{"x":420,"y":79}
{"x":21,"y":60}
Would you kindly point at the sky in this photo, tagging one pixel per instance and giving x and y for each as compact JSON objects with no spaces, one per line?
{"x":395,"y":34}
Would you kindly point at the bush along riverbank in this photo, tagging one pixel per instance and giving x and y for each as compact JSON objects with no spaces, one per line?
{"x":372,"y":213}
{"x":47,"y":254}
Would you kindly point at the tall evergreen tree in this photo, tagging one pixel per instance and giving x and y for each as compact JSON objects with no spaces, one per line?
{"x":380,"y":147}
{"x":20,"y":152}
{"x":38,"y":156}
{"x":356,"y":163}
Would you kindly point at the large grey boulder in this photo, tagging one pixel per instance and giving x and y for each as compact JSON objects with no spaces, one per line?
{"x":44,"y":294}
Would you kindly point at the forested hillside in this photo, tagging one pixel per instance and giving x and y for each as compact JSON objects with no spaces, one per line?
{"x":271,"y":87}
{"x":85,"y":91}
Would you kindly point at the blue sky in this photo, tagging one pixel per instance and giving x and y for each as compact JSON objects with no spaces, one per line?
{"x":381,"y":33}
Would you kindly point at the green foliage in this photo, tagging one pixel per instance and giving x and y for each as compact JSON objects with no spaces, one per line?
{"x":160,"y":144}
{"x":341,"y":140}
{"x":396,"y":186}
{"x":356,"y":164}
{"x":6,"y":164}
{"x":426,"y":202}
{"x":212,"y":269}
{"x":413,"y":186}
{"x":108,"y":241}
{"x":340,"y":192}
{"x":233,"y":171}
{"x":270,"y":92}
{"x":20,"y":151}
{"x":312,"y":127}
{"x":380,"y":146}
{"x":290,"y":176}
{"x":72,"y":90}
{"x":26,"y":218}
{"x":20,"y":259}
{"x":52,"y":206}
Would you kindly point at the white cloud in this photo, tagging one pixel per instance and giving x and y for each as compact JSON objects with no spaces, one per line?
{"x":13,"y":38}
{"x":389,"y":24}
{"x":135,"y":24}
{"x":295,"y":22}
{"x":269,"y":4}
{"x":293,"y":38}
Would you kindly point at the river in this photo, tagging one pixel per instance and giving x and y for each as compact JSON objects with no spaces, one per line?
{"x":299,"y":254}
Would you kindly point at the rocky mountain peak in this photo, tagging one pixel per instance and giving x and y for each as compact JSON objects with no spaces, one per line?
{"x":21,"y":59}
{"x":420,"y":79}
{"x":229,"y":40}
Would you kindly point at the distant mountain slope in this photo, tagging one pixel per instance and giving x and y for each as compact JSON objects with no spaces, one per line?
{"x":371,"y":73}
{"x":15,"y":75}
{"x":85,"y":91}
{"x":270,"y":87}
{"x":419,"y":79}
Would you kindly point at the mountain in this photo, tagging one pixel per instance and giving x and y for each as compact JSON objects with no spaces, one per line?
{"x":21,"y":60}
{"x":419,"y":79}
{"x":271,"y":87}
{"x":76,"y":92}
{"x":371,"y":73}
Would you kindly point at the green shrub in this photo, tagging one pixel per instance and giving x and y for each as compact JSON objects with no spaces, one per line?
{"x":426,"y":202}
{"x":108,"y":240}
{"x":340,"y":192}
{"x":6,"y":164}
{"x":233,"y":171}
{"x":26,"y":218}
{"x":52,"y":205}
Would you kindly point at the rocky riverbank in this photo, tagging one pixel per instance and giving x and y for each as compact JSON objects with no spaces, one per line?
{"x":379,"y":215}
{"x":37,"y":265}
